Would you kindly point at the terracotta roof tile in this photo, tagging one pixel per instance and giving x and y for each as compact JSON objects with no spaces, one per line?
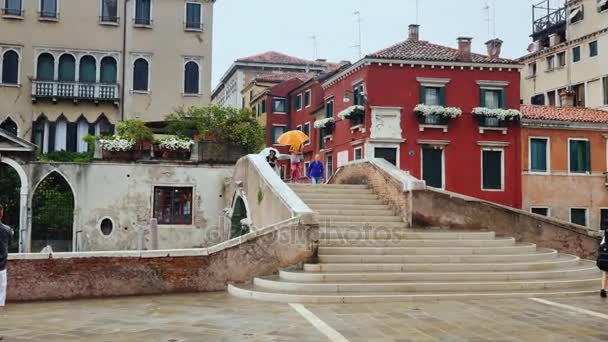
{"x":272,"y":57}
{"x":277,"y":77}
{"x":571,"y":114}
{"x":425,"y":51}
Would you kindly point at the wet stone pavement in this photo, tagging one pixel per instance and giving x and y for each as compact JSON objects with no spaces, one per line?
{"x":220,"y":317}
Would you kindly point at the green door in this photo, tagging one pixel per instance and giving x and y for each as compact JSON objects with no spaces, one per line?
{"x":432,"y":167}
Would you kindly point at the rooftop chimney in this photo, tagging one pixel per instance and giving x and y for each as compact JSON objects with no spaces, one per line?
{"x":554,"y":39}
{"x":464,"y":48}
{"x":414,"y":32}
{"x":566,"y":97}
{"x":494,"y":48}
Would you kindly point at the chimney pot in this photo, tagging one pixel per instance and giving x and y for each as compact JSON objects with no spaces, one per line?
{"x":414,"y":32}
{"x":554,"y":39}
{"x":464,"y":48}
{"x":567,"y":98}
{"x":494,"y":48}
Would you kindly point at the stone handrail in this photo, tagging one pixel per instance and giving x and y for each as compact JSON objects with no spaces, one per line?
{"x":270,"y":200}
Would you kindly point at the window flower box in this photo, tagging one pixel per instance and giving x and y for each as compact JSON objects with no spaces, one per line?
{"x":327,"y":125}
{"x":173,"y":149}
{"x":436,"y":115}
{"x":495,"y":117}
{"x":117,"y":148}
{"x":352,"y":112}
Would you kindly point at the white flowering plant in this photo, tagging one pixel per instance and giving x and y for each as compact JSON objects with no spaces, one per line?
{"x":116,"y":143}
{"x":324,"y":122}
{"x":175,"y":144}
{"x":447,"y":112}
{"x":501,"y":114}
{"x":348,"y":112}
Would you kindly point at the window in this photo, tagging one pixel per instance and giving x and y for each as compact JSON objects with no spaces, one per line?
{"x":358,"y":95}
{"x":538,"y":100}
{"x":276,"y":132}
{"x":602,"y":5}
{"x":13,"y":7}
{"x":540,"y":211}
{"x":173,"y":205}
{"x":67,"y":68}
{"x":532,"y":69}
{"x":579,"y":95}
{"x":45,"y":68}
{"x":194,"y":15}
{"x":108,"y":71}
{"x":88,"y":69}
{"x":561,"y":59}
{"x":492,"y":169}
{"x":576,"y":54}
{"x":552,"y":100}
{"x":579,"y":156}
{"x":539,"y":151}
{"x":109,"y":11}
{"x":48,"y":9}
{"x":593,"y":49}
{"x":191,"y":78}
{"x":299,"y":128}
{"x":82,"y":130}
{"x":298,"y":102}
{"x":279,"y":106}
{"x":605,"y":83}
{"x":432,"y":95}
{"x":388,"y":153}
{"x":10,"y":67}
{"x":576,"y":14}
{"x":10,"y":126}
{"x":603,"y":219}
{"x":307,"y":98}
{"x":61,"y":135}
{"x":358,"y":153}
{"x":432,"y":166}
{"x":329,"y":166}
{"x":329,"y":109}
{"x":307,"y":132}
{"x":493,"y":98}
{"x":140,"y":75}
{"x":263,"y":110}
{"x":250,"y":95}
{"x":578,"y":216}
{"x":550,"y":63}
{"x":143,"y":12}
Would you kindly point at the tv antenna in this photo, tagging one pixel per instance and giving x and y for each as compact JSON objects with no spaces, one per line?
{"x":490,"y":17}
{"x":315,"y":47}
{"x":357,"y":14}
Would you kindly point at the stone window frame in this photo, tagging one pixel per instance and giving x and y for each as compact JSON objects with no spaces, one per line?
{"x":193,"y":203}
{"x":3,"y":50}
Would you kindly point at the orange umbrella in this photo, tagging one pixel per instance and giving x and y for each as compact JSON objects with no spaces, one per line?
{"x":295,"y":139}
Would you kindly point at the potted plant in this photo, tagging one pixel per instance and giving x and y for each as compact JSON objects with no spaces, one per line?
{"x":173,"y":148}
{"x":495,"y":117}
{"x":356,"y":114}
{"x":117,"y":148}
{"x":137,"y":131}
{"x":327,"y":125}
{"x":436,"y":115}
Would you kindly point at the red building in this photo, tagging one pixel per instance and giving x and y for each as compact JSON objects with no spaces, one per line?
{"x":463,"y":139}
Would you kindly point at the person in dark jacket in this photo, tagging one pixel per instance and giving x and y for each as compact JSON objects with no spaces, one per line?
{"x":6,"y":234}
{"x":604,"y":275}
{"x":316,"y":171}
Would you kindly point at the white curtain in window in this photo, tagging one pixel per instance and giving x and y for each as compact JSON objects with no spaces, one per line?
{"x":82,"y":130}
{"x":61,"y":131}
{"x":432,"y":96}
{"x":602,"y":3}
{"x":492,"y":99}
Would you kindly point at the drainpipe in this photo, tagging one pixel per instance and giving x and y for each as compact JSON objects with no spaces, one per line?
{"x":124,"y":60}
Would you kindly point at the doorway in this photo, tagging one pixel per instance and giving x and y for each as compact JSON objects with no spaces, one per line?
{"x":432,"y":167}
{"x":388,"y":153}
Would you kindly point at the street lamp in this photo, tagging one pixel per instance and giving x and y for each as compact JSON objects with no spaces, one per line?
{"x":346,"y":98}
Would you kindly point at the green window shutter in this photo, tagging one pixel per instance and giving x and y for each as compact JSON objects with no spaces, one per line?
{"x":492,"y":170}
{"x":503,"y":99}
{"x":538,"y":155}
{"x":575,"y":165}
{"x":422,"y":95}
{"x":482,"y":98}
{"x":587,"y":145}
{"x":442,"y":96}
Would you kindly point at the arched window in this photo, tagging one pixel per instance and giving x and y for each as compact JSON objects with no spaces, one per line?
{"x":140,"y":75}
{"x":108,"y":70}
{"x":45,"y":70}
{"x":67,"y":68}
{"x":10,"y":67}
{"x":9,"y":125}
{"x":103,"y":127}
{"x":61,"y":134}
{"x":40,"y":129}
{"x":82,"y":130}
{"x":191,"y":78}
{"x":88,"y":69}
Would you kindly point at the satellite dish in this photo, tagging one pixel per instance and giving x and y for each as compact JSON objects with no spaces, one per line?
{"x":532,"y":48}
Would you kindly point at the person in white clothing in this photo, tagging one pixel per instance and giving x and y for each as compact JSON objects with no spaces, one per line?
{"x":6,"y":234}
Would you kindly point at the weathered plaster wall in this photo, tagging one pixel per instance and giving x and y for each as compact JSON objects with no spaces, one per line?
{"x":108,"y":274}
{"x":124,"y":193}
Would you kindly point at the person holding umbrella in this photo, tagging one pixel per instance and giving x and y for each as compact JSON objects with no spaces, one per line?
{"x":294,"y":139}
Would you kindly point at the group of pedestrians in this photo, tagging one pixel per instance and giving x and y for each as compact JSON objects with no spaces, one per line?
{"x":315,"y":171}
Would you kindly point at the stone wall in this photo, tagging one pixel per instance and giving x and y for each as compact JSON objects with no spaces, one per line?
{"x":426,"y":207}
{"x":107,"y":274}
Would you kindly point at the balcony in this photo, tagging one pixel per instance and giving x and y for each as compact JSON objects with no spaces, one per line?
{"x":550,"y":20}
{"x":75,"y":91}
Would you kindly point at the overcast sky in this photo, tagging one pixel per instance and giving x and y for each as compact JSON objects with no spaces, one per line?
{"x":248,"y":27}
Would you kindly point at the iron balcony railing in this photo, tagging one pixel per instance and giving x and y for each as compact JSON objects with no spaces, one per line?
{"x":75,"y":90}
{"x":555,"y":18}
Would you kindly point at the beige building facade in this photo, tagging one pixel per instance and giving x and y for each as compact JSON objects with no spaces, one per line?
{"x":71,"y":68}
{"x":569,"y":53}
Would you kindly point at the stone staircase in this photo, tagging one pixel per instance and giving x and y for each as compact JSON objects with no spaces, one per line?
{"x":368,"y":254}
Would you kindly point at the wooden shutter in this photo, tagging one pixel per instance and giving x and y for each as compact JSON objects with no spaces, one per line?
{"x":422,"y":94}
{"x":51,"y":145}
{"x":492,"y":170}
{"x":442,"y":96}
{"x":503,"y":99}
{"x":573,"y":156}
{"x":587,"y":155}
{"x":482,"y":98}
